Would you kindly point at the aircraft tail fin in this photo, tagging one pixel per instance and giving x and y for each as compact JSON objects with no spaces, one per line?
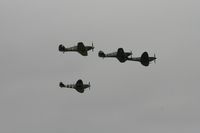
{"x":61,"y":48}
{"x":61,"y":85}
{"x":101,"y":54}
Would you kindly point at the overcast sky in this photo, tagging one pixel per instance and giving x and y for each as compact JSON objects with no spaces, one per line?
{"x":124,"y":97}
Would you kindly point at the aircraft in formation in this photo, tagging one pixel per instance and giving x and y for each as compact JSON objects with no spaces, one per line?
{"x":80,"y":48}
{"x":125,"y":56}
{"x":120,"y":55}
{"x":79,"y":86}
{"x":144,"y":59}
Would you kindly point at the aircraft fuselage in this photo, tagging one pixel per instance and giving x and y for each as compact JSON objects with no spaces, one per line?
{"x":79,"y":86}
{"x":80,"y":48}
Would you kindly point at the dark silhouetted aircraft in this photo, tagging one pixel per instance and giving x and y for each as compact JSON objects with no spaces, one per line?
{"x":80,"y":48}
{"x":120,"y":55}
{"x":79,"y":86}
{"x":144,"y":59}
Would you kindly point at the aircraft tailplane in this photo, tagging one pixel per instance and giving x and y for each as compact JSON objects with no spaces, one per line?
{"x":61,"y":85}
{"x":101,"y":54}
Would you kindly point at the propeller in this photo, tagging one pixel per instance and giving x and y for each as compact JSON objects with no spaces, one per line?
{"x":89,"y":85}
{"x":92,"y":47}
{"x":155,"y":58}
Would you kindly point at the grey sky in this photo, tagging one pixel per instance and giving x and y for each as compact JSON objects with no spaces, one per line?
{"x":163,"y":97}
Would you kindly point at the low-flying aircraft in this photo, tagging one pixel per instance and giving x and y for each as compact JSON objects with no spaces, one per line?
{"x":80,"y":48}
{"x":120,"y":55}
{"x":144,"y":59}
{"x":79,"y":86}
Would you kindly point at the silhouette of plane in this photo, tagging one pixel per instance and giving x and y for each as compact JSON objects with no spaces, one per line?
{"x":144,"y":59}
{"x":80,"y":48}
{"x":120,"y":55}
{"x":79,"y":86}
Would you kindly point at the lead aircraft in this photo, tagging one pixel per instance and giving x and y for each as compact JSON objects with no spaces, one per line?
{"x":80,"y":48}
{"x":79,"y":86}
{"x":124,"y":56}
{"x":144,"y":59}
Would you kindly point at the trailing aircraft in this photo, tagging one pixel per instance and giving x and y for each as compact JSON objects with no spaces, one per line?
{"x":80,"y":48}
{"x":120,"y":55}
{"x":79,"y":86}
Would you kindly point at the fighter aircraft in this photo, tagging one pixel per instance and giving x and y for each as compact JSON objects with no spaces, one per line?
{"x":144,"y":59}
{"x":120,"y":55}
{"x":79,"y":86}
{"x":124,"y":56}
{"x":80,"y":48}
